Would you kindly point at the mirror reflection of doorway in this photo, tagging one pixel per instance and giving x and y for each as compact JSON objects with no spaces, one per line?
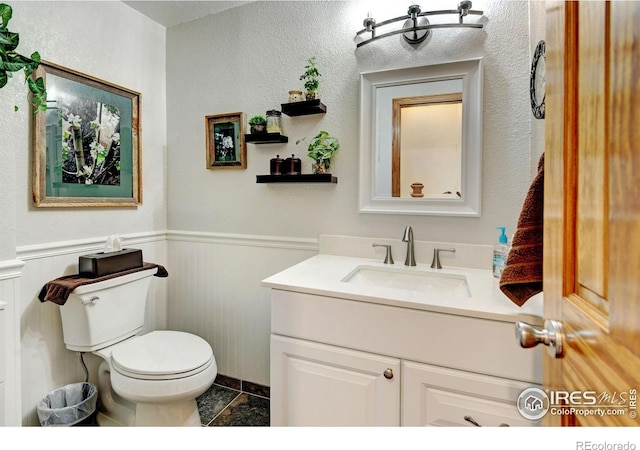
{"x":427,"y":145}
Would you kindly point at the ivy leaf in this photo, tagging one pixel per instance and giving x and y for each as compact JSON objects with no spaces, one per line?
{"x":5,"y":14}
{"x":14,"y":62}
{"x":9,"y":40}
{"x":11,"y":62}
{"x":38,"y":89}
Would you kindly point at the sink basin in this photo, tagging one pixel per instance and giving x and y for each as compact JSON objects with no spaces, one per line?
{"x":409,"y":280}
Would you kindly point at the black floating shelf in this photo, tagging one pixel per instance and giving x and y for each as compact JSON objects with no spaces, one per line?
{"x":304,"y":178}
{"x":265,"y":138}
{"x":303,"y":108}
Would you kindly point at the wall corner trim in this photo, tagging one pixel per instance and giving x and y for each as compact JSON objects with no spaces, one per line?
{"x":11,"y":268}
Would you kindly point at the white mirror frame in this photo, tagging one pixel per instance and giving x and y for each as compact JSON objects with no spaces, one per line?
{"x":470,"y":71}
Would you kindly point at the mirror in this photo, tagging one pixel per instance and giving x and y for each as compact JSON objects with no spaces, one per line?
{"x":427,"y":133}
{"x":421,"y":140}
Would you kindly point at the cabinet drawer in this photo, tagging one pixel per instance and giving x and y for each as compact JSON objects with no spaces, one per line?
{"x":435,"y":396}
{"x":464,"y":343}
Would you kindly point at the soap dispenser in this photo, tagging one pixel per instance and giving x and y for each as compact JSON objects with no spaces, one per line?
{"x":500,"y":253}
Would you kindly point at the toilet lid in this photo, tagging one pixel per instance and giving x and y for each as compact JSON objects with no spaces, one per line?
{"x":162,"y":355}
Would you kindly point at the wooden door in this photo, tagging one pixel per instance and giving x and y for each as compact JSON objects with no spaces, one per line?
{"x":592,"y":209}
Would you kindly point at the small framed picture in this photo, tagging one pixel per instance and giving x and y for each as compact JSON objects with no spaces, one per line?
{"x":226,"y":148}
{"x":87,"y":142}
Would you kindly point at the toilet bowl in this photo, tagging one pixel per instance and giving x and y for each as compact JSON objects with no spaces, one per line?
{"x":149,"y":379}
{"x":159,"y":374}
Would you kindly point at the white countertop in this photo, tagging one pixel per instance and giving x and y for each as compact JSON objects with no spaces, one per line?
{"x":322,"y":275}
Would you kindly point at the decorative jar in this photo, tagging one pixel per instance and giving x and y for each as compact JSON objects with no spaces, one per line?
{"x":274,"y":121}
{"x":295,"y":96}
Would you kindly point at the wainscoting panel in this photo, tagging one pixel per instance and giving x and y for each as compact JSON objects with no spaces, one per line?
{"x":10,"y":272}
{"x":46,"y":362}
{"x":215,"y":292}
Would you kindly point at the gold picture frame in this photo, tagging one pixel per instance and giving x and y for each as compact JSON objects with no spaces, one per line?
{"x":86,"y":150}
{"x":225,"y":144}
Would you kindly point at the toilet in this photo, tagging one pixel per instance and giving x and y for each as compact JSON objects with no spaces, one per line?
{"x":149,"y":379}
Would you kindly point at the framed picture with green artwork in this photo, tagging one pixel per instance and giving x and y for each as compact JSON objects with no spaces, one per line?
{"x":226,"y":148}
{"x":86,"y":143}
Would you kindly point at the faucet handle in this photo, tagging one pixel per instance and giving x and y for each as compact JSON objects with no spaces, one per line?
{"x":407,"y":236}
{"x":435,"y":264}
{"x":388,"y":259}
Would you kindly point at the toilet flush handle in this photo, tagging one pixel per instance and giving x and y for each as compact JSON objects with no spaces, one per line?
{"x":91,"y":301}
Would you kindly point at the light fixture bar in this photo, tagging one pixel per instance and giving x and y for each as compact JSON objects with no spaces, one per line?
{"x":413,"y":24}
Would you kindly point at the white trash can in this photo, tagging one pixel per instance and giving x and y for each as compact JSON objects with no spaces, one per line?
{"x":69,"y":405}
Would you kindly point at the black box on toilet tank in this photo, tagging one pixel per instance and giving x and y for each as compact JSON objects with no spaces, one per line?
{"x":101,"y":264}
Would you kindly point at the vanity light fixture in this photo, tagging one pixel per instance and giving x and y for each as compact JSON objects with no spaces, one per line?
{"x":416,"y":27}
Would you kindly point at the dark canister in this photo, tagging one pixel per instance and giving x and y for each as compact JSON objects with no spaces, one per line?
{"x":276,"y":165}
{"x":292,"y":166}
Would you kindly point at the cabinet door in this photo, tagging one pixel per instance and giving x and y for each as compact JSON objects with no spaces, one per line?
{"x":321,"y":385}
{"x":435,"y":396}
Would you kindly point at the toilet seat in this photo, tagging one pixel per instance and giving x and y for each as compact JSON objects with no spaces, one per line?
{"x":162,"y":355}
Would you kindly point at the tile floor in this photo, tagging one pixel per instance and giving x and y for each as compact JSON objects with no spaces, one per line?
{"x":230,"y":402}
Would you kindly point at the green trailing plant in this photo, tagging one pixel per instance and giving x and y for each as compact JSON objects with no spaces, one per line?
{"x":321,"y":148}
{"x":258,"y":120}
{"x":311,"y":78}
{"x":11,"y":61}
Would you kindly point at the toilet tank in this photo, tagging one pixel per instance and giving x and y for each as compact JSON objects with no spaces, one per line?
{"x":100,"y":314}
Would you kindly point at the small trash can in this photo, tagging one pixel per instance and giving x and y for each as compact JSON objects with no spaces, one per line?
{"x":73,"y":404}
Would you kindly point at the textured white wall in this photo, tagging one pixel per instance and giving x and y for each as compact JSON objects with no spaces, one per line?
{"x":244,"y":59}
{"x":247,"y":58}
{"x":112,"y":42}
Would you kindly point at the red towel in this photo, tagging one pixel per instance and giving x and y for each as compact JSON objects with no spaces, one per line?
{"x":58,"y":290}
{"x":522,"y":276}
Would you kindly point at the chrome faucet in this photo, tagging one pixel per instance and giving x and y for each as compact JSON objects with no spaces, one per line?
{"x":410,"y":260}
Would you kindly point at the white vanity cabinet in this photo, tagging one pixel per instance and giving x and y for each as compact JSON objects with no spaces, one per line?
{"x":344,"y":362}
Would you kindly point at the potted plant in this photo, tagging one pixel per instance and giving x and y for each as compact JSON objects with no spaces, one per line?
{"x":311,"y":80}
{"x":258,"y":124}
{"x":321,"y":149}
{"x":10,"y":61}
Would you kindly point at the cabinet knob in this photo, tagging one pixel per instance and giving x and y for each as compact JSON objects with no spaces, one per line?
{"x":388,"y":374}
